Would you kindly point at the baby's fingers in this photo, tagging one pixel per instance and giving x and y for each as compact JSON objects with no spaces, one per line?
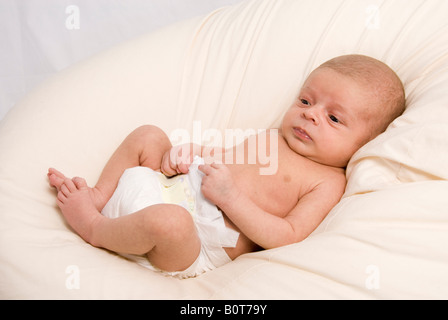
{"x":205,"y":168}
{"x":166,"y":168}
{"x":209,"y":168}
{"x":183,"y":167}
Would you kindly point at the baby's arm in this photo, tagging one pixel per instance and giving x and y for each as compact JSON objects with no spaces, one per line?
{"x":264,"y":228}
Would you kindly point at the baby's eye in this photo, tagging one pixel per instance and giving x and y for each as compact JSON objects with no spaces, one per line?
{"x":334,"y":119}
{"x":305,"y":102}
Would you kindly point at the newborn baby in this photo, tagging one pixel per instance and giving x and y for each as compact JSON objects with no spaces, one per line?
{"x":343,"y":104}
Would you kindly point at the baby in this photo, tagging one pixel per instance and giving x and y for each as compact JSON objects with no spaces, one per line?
{"x":342,"y":105}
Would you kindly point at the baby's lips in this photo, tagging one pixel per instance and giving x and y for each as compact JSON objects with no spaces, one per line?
{"x":301,"y":133}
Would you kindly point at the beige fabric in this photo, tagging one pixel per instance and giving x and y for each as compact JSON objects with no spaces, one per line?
{"x":240,"y":67}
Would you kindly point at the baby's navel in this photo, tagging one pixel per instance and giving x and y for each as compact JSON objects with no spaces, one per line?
{"x":286,"y":178}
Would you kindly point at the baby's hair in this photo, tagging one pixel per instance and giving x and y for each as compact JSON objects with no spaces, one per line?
{"x":380,"y":79}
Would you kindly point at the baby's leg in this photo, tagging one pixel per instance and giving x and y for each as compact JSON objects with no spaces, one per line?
{"x":145,"y":147}
{"x":165,"y":233}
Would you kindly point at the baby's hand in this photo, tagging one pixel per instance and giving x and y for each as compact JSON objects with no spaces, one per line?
{"x":217,"y":184}
{"x":178,"y":159}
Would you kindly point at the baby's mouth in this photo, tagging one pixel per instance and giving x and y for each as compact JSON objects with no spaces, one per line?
{"x":302,"y":134}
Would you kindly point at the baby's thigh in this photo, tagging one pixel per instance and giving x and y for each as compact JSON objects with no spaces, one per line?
{"x":177,"y":244}
{"x":152,"y":144}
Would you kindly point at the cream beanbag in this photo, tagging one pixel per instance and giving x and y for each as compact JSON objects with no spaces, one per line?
{"x":240,"y":67}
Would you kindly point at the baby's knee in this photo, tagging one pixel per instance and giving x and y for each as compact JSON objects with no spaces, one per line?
{"x":152,"y":142}
{"x":149,"y":133}
{"x":173,"y":222}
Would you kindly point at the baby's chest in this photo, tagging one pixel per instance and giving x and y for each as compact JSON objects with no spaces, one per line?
{"x":276,"y":193}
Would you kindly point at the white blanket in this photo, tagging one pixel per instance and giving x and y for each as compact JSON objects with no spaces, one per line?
{"x":240,"y":67}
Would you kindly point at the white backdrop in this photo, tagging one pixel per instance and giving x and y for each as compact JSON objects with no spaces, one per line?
{"x":41,"y":37}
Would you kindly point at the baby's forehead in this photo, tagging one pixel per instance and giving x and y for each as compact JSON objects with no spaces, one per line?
{"x":344,"y":88}
{"x":367,"y":76}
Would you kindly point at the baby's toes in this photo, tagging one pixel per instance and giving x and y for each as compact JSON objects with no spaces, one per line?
{"x":80,"y":183}
{"x":55,"y":181}
{"x":70,"y":185}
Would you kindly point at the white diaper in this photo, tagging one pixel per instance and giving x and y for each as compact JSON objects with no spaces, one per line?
{"x":141,"y":187}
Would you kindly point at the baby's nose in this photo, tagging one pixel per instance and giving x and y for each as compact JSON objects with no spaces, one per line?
{"x":312,"y":114}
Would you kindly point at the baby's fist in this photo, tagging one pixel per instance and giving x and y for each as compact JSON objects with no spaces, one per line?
{"x":217,"y":184}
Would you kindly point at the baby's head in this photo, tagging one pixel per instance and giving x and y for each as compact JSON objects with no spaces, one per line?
{"x":343,"y":104}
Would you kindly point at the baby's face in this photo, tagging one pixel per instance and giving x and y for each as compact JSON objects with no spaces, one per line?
{"x":328,"y":122}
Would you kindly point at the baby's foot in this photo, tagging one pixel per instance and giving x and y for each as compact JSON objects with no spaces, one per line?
{"x":56,"y":179}
{"x":76,"y":204}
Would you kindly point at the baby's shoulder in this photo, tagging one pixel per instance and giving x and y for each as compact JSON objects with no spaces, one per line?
{"x":319,"y":174}
{"x":312,"y":176}
{"x":333,"y":179}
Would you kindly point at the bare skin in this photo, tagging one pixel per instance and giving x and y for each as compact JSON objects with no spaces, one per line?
{"x":148,"y":231}
{"x":154,"y":231}
{"x":319,"y":134}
